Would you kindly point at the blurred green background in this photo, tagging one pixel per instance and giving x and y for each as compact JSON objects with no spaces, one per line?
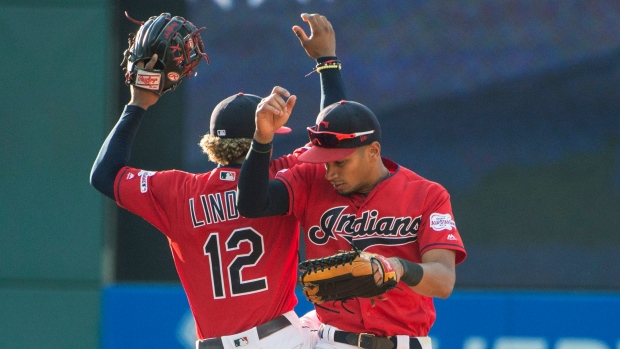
{"x":60,"y":97}
{"x":55,"y":98}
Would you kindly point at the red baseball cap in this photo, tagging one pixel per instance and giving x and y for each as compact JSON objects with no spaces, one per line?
{"x":234,"y":117}
{"x":340,"y":129}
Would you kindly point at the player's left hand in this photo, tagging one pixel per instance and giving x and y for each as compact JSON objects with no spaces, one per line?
{"x":139,"y":96}
{"x":377,"y":269}
{"x":272,"y":113}
{"x":322,"y":40}
{"x":346,"y":275}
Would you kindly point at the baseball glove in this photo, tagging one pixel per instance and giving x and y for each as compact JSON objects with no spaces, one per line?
{"x":344,"y":276}
{"x":178,"y":46}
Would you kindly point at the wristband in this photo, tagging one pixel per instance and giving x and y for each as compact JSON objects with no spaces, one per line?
{"x":261,"y":148}
{"x":412,"y":272}
{"x":328,"y":64}
{"x":322,"y":60}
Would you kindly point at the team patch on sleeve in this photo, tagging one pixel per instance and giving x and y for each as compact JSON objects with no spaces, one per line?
{"x":441,"y":222}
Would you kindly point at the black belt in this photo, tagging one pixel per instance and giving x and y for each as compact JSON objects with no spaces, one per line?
{"x":370,"y":341}
{"x":264,"y":330}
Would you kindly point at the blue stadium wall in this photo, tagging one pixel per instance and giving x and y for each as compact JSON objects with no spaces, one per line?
{"x":157,"y":316}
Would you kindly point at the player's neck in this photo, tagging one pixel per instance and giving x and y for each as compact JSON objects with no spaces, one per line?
{"x":379,"y":175}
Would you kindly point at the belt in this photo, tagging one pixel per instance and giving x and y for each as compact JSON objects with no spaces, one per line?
{"x":370,"y":341}
{"x":263,"y":330}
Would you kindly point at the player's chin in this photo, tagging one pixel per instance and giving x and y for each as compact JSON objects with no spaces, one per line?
{"x":344,"y":191}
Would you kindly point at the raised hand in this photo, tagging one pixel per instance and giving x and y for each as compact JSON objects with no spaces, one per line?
{"x":322,"y":40}
{"x":139,"y":96}
{"x":272,"y":113}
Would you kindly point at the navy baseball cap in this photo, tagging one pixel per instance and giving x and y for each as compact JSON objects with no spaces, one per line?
{"x":341,"y":128}
{"x":234,"y":117}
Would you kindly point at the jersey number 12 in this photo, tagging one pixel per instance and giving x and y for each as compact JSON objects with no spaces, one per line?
{"x":238,"y":286}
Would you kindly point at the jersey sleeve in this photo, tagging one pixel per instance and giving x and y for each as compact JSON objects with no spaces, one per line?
{"x":295,"y":181}
{"x":148,"y":194}
{"x":285,"y":162}
{"x":438,"y":229}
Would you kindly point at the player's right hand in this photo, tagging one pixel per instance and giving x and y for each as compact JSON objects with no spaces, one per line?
{"x":322,"y":40}
{"x":139,"y":96}
{"x":272,"y":113}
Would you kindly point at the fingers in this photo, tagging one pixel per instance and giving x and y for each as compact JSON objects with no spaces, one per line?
{"x":290,"y":103}
{"x":281,"y":91}
{"x":272,"y":113}
{"x":317,"y":22}
{"x":322,"y":39}
{"x":377,"y":273}
{"x":284,"y":106}
{"x":271,"y":105}
{"x":301,"y":34}
{"x":275,"y":102}
{"x":150,"y":64}
{"x":312,"y":19}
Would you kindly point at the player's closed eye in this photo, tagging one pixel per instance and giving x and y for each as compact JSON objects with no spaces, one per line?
{"x":331,"y":139}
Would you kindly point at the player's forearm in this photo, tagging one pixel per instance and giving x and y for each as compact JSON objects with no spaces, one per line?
{"x":332,"y":85}
{"x":438,"y":281}
{"x":263,"y":138}
{"x":115,"y":151}
{"x":257,"y":196}
{"x":430,"y":278}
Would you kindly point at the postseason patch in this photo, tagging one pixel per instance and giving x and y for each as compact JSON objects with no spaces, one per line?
{"x":441,"y":222}
{"x":144,"y":183}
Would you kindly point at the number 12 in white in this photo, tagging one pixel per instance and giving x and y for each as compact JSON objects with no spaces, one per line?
{"x":238,"y":286}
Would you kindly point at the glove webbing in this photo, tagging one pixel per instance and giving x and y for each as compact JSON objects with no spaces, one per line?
{"x":320,"y":264}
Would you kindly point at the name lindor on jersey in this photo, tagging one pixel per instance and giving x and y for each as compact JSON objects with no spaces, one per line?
{"x":367,"y":230}
{"x":217,"y":207}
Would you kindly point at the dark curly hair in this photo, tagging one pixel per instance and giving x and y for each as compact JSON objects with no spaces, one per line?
{"x":225,"y":151}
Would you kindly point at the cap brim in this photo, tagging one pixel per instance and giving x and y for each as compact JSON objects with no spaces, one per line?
{"x":319,"y":155}
{"x":283,"y":130}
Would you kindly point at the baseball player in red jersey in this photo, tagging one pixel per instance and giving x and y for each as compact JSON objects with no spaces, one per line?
{"x":239,"y":274}
{"x":346,"y":194}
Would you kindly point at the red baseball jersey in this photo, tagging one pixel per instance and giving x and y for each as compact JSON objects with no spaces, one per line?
{"x":237,"y":272}
{"x":404,"y":216}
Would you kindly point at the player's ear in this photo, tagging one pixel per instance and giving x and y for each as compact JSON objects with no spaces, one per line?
{"x":374,"y":150}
